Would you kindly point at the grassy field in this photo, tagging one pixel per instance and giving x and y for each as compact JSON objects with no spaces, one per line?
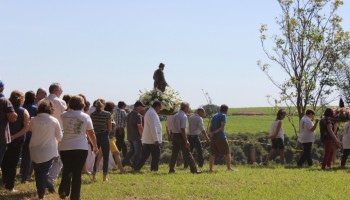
{"x":248,"y":182}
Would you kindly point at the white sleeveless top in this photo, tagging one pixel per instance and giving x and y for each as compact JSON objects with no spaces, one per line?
{"x":274,"y":128}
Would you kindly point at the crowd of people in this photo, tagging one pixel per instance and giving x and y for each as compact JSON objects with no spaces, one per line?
{"x":49,"y":133}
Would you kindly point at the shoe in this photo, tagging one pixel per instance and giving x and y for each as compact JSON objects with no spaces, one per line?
{"x":63,"y":195}
{"x":13,"y":190}
{"x":197,"y":172}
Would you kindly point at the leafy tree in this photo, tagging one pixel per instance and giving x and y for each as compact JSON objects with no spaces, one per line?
{"x":308,"y":49}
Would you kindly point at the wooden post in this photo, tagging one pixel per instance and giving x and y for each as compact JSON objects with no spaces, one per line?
{"x":252,"y":154}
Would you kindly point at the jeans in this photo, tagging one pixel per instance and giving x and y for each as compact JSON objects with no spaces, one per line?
{"x":195,"y":143}
{"x":3,"y":148}
{"x":26,"y":163}
{"x":179,"y":144}
{"x":41,"y":171}
{"x":103,"y":143}
{"x":9,"y":163}
{"x":345,"y":156}
{"x":306,"y":156}
{"x":120,"y":137}
{"x":73,"y":162}
{"x":134,"y":152}
{"x":154,"y":151}
{"x":328,"y":153}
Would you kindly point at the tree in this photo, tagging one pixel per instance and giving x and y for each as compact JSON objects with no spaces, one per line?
{"x":344,"y":81}
{"x":308,"y":50}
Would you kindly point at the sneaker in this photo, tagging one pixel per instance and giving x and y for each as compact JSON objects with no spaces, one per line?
{"x":197,"y":172}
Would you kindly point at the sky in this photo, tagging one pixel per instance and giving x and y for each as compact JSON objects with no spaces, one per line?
{"x":109,"y":49}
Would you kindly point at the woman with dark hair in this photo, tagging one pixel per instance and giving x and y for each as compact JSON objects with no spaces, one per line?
{"x":277,"y":137}
{"x":46,"y":132}
{"x":74,"y":147}
{"x":26,"y":162}
{"x":102,"y":121}
{"x":17,"y":129}
{"x":328,"y":137}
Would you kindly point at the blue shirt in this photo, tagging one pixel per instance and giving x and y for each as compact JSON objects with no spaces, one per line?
{"x":216,"y":124}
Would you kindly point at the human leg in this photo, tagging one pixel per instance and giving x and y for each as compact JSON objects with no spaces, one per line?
{"x":41,"y":172}
{"x":79,"y":159}
{"x":174,"y":151}
{"x":155,"y":152}
{"x":10,"y":161}
{"x":345,"y":157}
{"x":144,"y":156}
{"x":68,"y":161}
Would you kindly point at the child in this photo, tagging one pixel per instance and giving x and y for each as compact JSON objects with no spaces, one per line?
{"x":346,"y":144}
{"x":277,"y":137}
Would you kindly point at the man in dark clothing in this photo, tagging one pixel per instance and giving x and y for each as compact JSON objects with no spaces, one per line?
{"x":158,"y":77}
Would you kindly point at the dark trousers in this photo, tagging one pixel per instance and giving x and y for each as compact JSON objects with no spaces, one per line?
{"x":41,"y":172}
{"x":195,"y":143}
{"x":179,"y":144}
{"x":103,"y":144}
{"x":306,"y":155}
{"x":26,"y":162}
{"x":147,"y":150}
{"x":328,"y":153}
{"x":120,"y":137}
{"x":134,"y":152}
{"x":3,"y":148}
{"x":9,"y":163}
{"x":345,"y":156}
{"x":73,"y":162}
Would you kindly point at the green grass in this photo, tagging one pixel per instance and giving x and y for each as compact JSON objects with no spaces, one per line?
{"x":248,"y":182}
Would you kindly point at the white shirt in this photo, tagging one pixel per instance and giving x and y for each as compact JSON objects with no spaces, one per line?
{"x":46,"y":132}
{"x":59,"y":106}
{"x":346,"y":136}
{"x":75,"y":125}
{"x":152,"y":131}
{"x":169,"y":122}
{"x":306,"y":135}
{"x":274,"y":128}
{"x":179,"y":122}
{"x":195,"y":124}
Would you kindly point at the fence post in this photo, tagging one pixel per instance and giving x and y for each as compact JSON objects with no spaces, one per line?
{"x":252,"y":154}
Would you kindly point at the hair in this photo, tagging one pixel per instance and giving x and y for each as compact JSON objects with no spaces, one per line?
{"x":184,"y":105}
{"x":328,"y":112}
{"x":109,"y":106}
{"x":200,"y":109}
{"x":280,"y":114}
{"x":54,"y":87}
{"x":121,"y":104}
{"x":223,"y":108}
{"x":156,"y":104}
{"x":46,"y":106}
{"x":29,"y":97}
{"x":76,"y":103}
{"x":161,"y":65}
{"x":100,"y":104}
{"x":310,"y":112}
{"x":67,"y":98}
{"x":41,"y":90}
{"x":16,"y":98}
{"x":87,"y":104}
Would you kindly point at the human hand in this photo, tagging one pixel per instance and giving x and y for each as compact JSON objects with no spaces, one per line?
{"x":317,"y":120}
{"x":156,"y":143}
{"x":95,"y":150}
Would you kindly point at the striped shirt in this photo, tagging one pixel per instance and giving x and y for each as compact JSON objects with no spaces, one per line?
{"x":120,"y":118}
{"x":100,"y":121}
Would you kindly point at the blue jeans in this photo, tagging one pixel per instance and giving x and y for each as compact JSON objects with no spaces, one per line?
{"x":149,"y":149}
{"x":3,"y":148}
{"x":134,"y":153}
{"x":103,"y":143}
{"x":41,"y":171}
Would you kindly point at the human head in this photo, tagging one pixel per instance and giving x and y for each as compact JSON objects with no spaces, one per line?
{"x":56,"y":89}
{"x":66,"y":98}
{"x":157,"y":106}
{"x":310,"y":113}
{"x":224,"y":108}
{"x":16,"y":98}
{"x":161,"y":66}
{"x":109,"y":106}
{"x":281,"y":114}
{"x":100,"y":104}
{"x":328,"y":112}
{"x":200,"y":112}
{"x":40,"y":94}
{"x":139,"y":107}
{"x":2,"y":86}
{"x":29,"y":97}
{"x":45,"y":106}
{"x":76,"y":103}
{"x":87,"y":104}
{"x":121,"y":105}
{"x":185,"y":107}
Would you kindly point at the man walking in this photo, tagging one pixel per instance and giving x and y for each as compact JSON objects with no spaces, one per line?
{"x":179,"y":140}
{"x":134,"y":128}
{"x":120,"y":122}
{"x":219,"y":144}
{"x":151,"y":138}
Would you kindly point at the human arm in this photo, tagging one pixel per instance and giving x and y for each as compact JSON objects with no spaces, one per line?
{"x":332,"y":134}
{"x":92,"y":137}
{"x":11,"y":117}
{"x":25,"y":129}
{"x":109,"y":125}
{"x":315,"y":126}
{"x":58,"y":132}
